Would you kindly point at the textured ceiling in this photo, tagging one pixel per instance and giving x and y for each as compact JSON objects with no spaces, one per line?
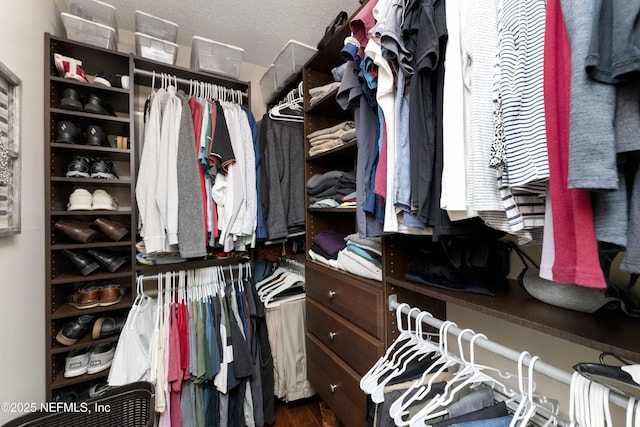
{"x":260,"y":27}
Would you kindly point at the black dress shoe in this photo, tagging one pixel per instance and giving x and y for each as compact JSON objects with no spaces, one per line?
{"x":111,"y":260}
{"x":97,"y":106}
{"x":107,"y":326}
{"x":72,"y":331}
{"x":84,"y":264}
{"x":97,"y":137}
{"x":68,"y":132}
{"x":71,"y":100}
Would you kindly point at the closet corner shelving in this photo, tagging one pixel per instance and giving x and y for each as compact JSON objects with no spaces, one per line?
{"x":345,"y":313}
{"x":61,"y":278}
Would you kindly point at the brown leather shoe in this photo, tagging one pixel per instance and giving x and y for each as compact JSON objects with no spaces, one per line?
{"x":110,"y":294}
{"x":112,"y":229}
{"x":76,"y":230}
{"x":86,"y":297}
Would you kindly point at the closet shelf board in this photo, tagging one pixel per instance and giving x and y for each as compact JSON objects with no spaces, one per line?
{"x":605,"y":331}
{"x":79,"y":114}
{"x":328,"y":106}
{"x":89,"y":86}
{"x":60,"y":381}
{"x":332,"y":210}
{"x":102,"y":275}
{"x":101,"y":182}
{"x":90,"y":213}
{"x":94,"y":244}
{"x":336,"y":151}
{"x":76,"y":147}
{"x":85,"y":342}
{"x":149,"y":270}
{"x":67,"y":310}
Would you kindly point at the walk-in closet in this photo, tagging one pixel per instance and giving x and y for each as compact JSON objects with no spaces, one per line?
{"x":364,"y":213}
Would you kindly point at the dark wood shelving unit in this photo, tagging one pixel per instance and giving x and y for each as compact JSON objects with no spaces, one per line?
{"x":61,"y":279}
{"x":333,"y":210}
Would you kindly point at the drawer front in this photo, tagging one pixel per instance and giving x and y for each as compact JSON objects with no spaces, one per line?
{"x":357,"y":300}
{"x":357,"y":348}
{"x":337,"y":384}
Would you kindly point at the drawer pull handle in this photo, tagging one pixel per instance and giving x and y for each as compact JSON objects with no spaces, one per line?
{"x":332,"y":294}
{"x":333,"y":387}
{"x":332,"y":335}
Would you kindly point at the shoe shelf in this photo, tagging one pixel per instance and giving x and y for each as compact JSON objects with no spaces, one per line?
{"x":59,"y":381}
{"x":62,"y":82}
{"x":85,"y":342}
{"x":66,"y":310}
{"x":60,"y":212}
{"x":94,"y":244}
{"x":118,"y":98}
{"x":114,"y":152}
{"x":83,"y":115}
{"x":93,"y":181}
{"x":68,"y":277}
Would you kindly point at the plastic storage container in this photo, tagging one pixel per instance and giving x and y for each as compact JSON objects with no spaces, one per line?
{"x":156,"y":27}
{"x":95,"y":11}
{"x":291,"y":59}
{"x":268,"y":83}
{"x":83,"y":30}
{"x":154,"y":48}
{"x":215,"y":57}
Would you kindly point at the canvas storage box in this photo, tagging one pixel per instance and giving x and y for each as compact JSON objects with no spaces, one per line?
{"x":153,"y":48}
{"x":156,"y":27}
{"x":93,"y":33}
{"x":291,"y":59}
{"x":215,"y":57}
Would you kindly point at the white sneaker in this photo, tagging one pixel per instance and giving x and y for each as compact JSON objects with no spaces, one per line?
{"x":80,"y":200}
{"x":103,"y":201}
{"x":100,"y":358}
{"x":76,"y":363}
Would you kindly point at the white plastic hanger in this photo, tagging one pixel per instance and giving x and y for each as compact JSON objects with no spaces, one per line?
{"x":446,"y":361}
{"x":403,"y":335}
{"x":391,"y":363}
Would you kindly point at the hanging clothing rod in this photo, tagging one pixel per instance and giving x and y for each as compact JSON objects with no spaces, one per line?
{"x":506,"y":352}
{"x":186,"y":82}
{"x":224,"y":268}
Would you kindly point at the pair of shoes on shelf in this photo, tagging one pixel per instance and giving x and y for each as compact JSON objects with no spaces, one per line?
{"x":70,"y":133}
{"x":85,"y":232}
{"x":88,"y":361}
{"x":71,"y":68}
{"x":73,"y":101}
{"x":86,"y":262}
{"x":76,"y":329}
{"x":82,"y":200}
{"x":111,"y":80}
{"x":96,"y":295}
{"x":80,"y":393}
{"x":87,"y":167}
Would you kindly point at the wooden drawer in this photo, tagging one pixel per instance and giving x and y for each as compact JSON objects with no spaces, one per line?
{"x":337,"y":384}
{"x":359,"y":349}
{"x":358,"y":300}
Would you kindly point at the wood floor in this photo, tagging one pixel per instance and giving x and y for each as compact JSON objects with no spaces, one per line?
{"x":303,"y":413}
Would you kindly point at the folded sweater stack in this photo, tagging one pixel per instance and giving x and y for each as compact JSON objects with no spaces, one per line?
{"x":362,"y":256}
{"x":332,"y":189}
{"x":329,"y":138}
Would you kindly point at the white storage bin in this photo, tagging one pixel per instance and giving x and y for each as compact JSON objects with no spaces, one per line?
{"x":156,"y":49}
{"x":156,"y":27}
{"x":268,"y":83}
{"x":215,"y":57}
{"x":95,"y":11}
{"x":83,"y":30}
{"x":291,"y":59}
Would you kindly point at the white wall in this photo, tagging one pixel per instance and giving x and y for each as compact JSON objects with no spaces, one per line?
{"x":22,"y":276}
